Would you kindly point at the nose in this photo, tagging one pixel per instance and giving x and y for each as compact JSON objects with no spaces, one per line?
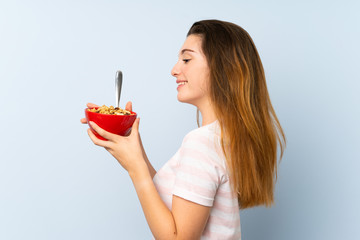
{"x":176,"y":70}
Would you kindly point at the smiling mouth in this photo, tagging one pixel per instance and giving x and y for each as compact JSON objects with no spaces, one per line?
{"x":181,"y":83}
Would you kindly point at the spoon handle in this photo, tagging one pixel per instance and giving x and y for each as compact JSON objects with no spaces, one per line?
{"x":118,"y":84}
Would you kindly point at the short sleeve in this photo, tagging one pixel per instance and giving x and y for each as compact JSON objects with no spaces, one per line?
{"x":198,"y":174}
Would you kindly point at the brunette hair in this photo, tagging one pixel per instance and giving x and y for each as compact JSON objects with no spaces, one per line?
{"x":250,"y":130}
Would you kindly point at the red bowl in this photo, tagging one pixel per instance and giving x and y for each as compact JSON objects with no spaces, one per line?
{"x":117,"y":124}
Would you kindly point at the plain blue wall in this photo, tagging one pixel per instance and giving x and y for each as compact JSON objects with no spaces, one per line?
{"x":57,"y":55}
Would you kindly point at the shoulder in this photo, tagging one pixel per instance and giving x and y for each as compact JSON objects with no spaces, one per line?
{"x":204,"y":143}
{"x":205,"y":134}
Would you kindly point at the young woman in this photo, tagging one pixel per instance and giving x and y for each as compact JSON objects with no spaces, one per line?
{"x":230,"y":162}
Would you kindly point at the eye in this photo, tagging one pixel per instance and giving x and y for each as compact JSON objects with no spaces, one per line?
{"x":186,"y":60}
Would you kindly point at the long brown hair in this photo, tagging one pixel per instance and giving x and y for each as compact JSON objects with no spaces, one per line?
{"x":250,"y":130}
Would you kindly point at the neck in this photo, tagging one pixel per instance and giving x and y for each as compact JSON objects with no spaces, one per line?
{"x":207,"y":113}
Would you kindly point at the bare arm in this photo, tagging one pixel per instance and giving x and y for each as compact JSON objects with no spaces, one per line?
{"x":186,"y":220}
{"x":151,"y":169}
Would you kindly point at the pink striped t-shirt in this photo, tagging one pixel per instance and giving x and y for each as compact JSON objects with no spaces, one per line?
{"x":198,"y":173}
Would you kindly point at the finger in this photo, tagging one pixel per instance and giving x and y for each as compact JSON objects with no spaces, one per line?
{"x":96,"y":141}
{"x":91,"y":105}
{"x":135,"y":127}
{"x":105,"y":134}
{"x":128,"y":106}
{"x":83,"y":120}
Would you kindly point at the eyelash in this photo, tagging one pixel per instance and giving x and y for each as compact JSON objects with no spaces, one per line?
{"x":186,"y":60}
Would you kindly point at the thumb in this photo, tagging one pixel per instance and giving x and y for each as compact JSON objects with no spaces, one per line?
{"x":135,"y":127}
{"x":128,"y":106}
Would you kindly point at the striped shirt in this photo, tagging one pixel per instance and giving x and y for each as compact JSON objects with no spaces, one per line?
{"x":198,"y":173}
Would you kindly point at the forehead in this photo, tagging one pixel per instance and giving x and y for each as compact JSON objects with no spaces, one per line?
{"x":192,"y":42}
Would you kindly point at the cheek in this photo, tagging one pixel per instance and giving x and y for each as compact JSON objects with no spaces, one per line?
{"x":198,"y":77}
{"x":205,"y":81}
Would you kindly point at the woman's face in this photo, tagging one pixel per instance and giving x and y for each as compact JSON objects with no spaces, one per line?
{"x":192,"y":73}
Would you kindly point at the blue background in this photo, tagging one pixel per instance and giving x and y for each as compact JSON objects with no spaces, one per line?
{"x":55,"y":56}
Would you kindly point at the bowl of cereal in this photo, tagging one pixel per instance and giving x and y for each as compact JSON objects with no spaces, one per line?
{"x":115,"y":120}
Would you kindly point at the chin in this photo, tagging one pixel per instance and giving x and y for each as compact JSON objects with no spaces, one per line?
{"x":182,"y":99}
{"x":185,"y":100}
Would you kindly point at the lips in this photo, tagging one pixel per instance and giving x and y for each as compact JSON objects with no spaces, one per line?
{"x":181,"y":81}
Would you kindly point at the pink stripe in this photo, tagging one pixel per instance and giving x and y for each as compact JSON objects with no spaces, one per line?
{"x":226,"y":209}
{"x":224,"y":222}
{"x":199,"y":173}
{"x":199,"y":155}
{"x":199,"y":139}
{"x":205,"y":140}
{"x":163,"y":190}
{"x":201,"y":136}
{"x":215,"y":235}
{"x":165,"y":174}
{"x":225,"y":194}
{"x":209,"y":193}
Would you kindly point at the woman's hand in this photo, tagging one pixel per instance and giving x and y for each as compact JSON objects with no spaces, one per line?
{"x":129,"y":108}
{"x":127,"y":150}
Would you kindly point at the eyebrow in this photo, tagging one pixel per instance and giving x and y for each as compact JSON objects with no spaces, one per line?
{"x":186,"y":49}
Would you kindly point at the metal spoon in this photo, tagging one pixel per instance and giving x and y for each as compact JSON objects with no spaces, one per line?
{"x":118,"y":84}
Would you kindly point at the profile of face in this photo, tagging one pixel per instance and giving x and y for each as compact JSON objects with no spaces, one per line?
{"x":192,"y":73}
